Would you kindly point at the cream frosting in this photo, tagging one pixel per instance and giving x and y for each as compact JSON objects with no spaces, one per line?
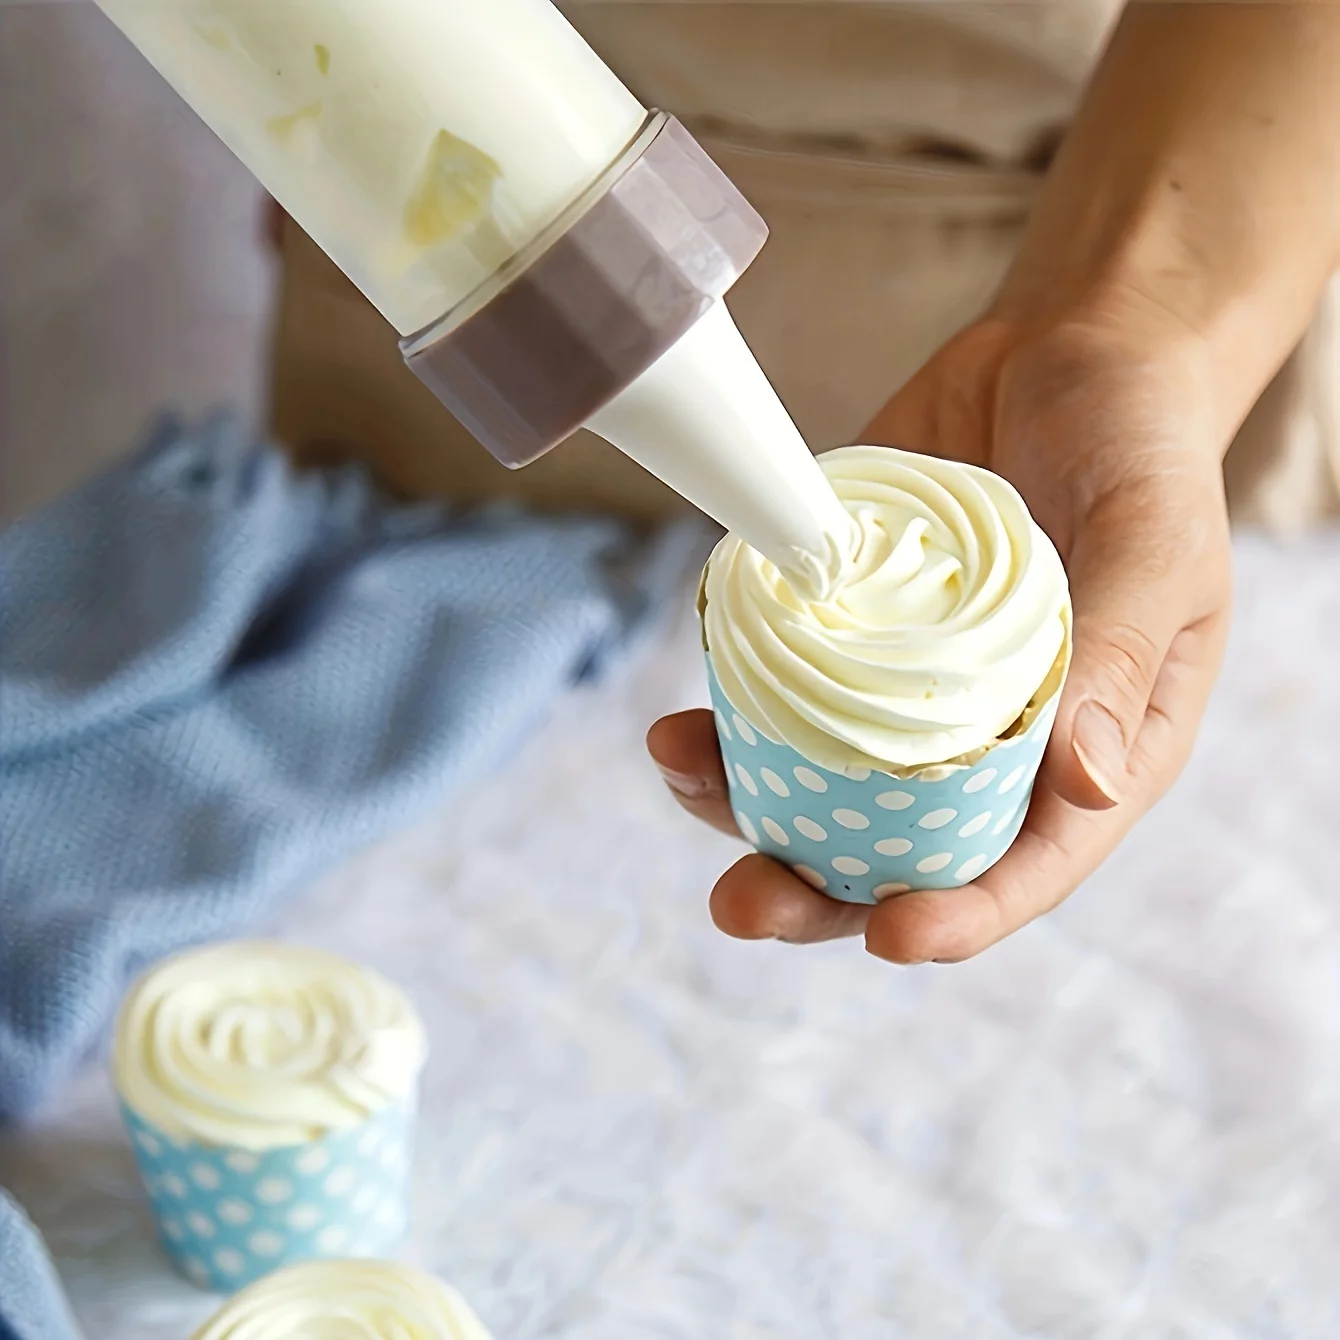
{"x":949,"y":616}
{"x":345,"y":1300}
{"x":261,"y":1044}
{"x":420,"y":143}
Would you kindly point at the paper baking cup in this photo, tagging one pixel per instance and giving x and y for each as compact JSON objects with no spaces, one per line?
{"x":866,"y":835}
{"x":227,"y":1216}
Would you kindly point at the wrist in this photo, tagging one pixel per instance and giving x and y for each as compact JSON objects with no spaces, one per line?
{"x":1196,"y":189}
{"x":1150,"y":301}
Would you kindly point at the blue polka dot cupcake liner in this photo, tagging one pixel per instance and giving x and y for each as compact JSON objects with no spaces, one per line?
{"x":228,"y":1216}
{"x":864,"y":835}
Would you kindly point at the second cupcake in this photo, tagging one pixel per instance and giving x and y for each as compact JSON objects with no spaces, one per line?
{"x":269,"y":1091}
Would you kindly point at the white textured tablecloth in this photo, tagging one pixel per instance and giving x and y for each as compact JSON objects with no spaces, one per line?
{"x":1121,"y":1123}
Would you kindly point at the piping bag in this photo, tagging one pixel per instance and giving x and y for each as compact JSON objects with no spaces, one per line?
{"x":552,"y":254}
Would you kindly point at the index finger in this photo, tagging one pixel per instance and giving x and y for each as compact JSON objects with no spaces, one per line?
{"x":761,"y":899}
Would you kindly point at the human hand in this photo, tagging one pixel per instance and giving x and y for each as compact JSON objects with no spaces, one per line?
{"x":1106,"y":425}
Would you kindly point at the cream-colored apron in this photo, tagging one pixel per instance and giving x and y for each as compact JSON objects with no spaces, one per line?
{"x":894,"y":150}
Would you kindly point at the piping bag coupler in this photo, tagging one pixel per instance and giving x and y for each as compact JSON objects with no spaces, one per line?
{"x":575,"y":317}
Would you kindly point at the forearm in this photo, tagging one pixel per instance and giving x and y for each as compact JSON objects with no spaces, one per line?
{"x":1199,"y":187}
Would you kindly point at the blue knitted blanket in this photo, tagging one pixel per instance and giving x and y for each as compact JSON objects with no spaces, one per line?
{"x":219,"y":675}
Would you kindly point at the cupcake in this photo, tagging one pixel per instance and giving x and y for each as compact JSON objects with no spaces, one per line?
{"x":269,"y":1091}
{"x":884,"y":736}
{"x":352,"y":1300}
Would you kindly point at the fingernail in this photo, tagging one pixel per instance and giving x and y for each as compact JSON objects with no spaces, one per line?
{"x":683,"y":783}
{"x":1098,"y":744}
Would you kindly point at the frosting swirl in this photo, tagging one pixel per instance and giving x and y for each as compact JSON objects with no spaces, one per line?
{"x":260,"y":1044}
{"x":950,"y":614}
{"x":345,"y":1300}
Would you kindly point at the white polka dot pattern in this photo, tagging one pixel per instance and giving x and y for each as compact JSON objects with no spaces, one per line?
{"x":850,"y":818}
{"x":205,"y":1176}
{"x":873,"y":835}
{"x":928,"y":865}
{"x":266,"y":1243}
{"x":893,"y":846}
{"x":883,"y":891}
{"x":341,"y":1181}
{"x":895,"y":800}
{"x":970,"y":868}
{"x":273,"y":1190}
{"x":313,"y":1160}
{"x":851,"y":865}
{"x":230,"y":1261}
{"x":227,"y":1217}
{"x":937,"y":818}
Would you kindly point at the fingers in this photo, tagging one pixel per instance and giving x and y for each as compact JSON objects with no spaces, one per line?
{"x":684,"y":747}
{"x":1178,"y":702}
{"x":1156,"y":707}
{"x":758,"y":899}
{"x":1137,"y":582}
{"x":1061,"y":843}
{"x":1059,"y":846}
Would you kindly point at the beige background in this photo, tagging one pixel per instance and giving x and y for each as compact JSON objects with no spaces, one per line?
{"x":132,"y":273}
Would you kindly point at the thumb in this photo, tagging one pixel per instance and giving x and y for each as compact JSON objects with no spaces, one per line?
{"x":1130,"y":599}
